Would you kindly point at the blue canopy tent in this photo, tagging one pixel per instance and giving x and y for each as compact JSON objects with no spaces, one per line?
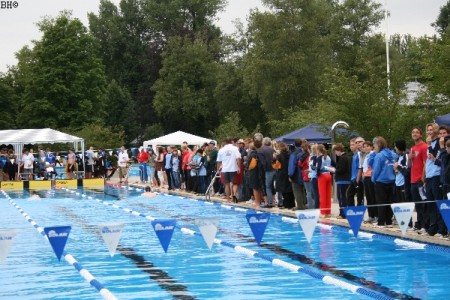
{"x":443,"y":120}
{"x":313,"y":133}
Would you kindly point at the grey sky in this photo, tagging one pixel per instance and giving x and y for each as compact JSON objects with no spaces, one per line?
{"x":18,"y":25}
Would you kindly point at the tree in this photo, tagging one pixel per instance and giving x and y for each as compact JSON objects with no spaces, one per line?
{"x":98,"y":135}
{"x":443,"y":19}
{"x":66,"y":87}
{"x":288,"y":54}
{"x":186,"y":85}
{"x":8,"y":102}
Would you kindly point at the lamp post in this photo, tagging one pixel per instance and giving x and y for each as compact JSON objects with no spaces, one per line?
{"x":333,"y":155}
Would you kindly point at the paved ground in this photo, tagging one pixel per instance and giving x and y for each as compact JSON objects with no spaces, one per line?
{"x":395,"y":231}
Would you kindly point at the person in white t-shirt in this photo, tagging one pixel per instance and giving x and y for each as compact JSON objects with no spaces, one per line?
{"x":123,"y":161}
{"x":229,"y":159}
{"x":27,"y":163}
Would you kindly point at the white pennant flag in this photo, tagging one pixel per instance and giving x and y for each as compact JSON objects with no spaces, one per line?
{"x":6,"y":237}
{"x":403,"y":213}
{"x":111,"y":234}
{"x":308,"y":221}
{"x":208,"y":229}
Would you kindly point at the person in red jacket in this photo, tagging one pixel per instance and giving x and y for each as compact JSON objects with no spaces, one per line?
{"x":142,"y":158}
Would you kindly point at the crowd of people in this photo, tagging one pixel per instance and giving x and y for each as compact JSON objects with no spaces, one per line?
{"x":300,"y":176}
{"x":267,"y":174}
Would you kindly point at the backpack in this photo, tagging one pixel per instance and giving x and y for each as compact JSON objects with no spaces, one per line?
{"x":303,"y":164}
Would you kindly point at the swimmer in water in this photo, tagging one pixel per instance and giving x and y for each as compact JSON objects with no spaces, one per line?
{"x":148,"y":193}
{"x":34,"y":196}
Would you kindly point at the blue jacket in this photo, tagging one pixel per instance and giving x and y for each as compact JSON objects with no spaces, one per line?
{"x":383,"y":168}
{"x":294,"y":171}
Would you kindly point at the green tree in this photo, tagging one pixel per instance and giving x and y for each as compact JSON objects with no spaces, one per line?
{"x":230,"y":127}
{"x":289,"y":51}
{"x":443,"y":19}
{"x":67,"y":86}
{"x":98,"y":135}
{"x":186,"y":85}
{"x":8,"y":101}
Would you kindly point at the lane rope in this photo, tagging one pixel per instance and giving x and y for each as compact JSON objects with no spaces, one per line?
{"x":275,"y":261}
{"x":106,"y":294}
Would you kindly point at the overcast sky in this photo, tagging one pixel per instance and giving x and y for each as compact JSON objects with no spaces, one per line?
{"x":18,"y":25}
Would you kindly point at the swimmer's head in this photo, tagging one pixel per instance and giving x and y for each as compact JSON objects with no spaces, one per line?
{"x":148,"y":189}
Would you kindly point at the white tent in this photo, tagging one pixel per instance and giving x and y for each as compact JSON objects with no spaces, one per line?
{"x":177,"y":138}
{"x":19,"y":137}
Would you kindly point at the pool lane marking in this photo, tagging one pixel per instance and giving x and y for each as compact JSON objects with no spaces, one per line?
{"x":297,"y":257}
{"x":275,"y":261}
{"x":301,"y":258}
{"x":399,"y":241}
{"x":162,"y":278}
{"x":106,"y":294}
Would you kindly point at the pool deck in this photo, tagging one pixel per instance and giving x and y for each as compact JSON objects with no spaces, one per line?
{"x":395,"y":231}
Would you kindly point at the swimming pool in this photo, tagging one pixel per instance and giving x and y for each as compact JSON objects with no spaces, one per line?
{"x":189,"y":270}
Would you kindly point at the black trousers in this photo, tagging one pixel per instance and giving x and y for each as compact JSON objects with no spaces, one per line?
{"x":369,"y":190}
{"x":384,"y":193}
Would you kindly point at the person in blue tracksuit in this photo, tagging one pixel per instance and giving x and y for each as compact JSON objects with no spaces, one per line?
{"x":383,"y":177}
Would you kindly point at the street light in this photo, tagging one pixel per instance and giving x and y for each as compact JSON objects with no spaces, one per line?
{"x":333,"y":155}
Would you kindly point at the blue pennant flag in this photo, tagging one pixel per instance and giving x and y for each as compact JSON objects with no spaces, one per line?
{"x":355,"y":215}
{"x":258,"y":224}
{"x":164,"y":230}
{"x":57,"y":236}
{"x":444,"y":208}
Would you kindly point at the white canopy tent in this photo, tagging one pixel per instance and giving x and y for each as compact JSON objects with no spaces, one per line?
{"x":177,"y":138}
{"x":19,"y":137}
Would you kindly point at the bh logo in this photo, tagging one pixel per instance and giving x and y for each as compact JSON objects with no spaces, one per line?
{"x":9,"y":4}
{"x":444,"y":206}
{"x":305,"y":217}
{"x":108,"y":230}
{"x":398,"y":210}
{"x":254,"y":220}
{"x":351,"y":212}
{"x":54,"y":234}
{"x":159,"y":227}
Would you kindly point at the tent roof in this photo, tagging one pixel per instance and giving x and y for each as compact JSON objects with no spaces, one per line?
{"x":177,"y":138}
{"x":313,"y":133}
{"x":443,"y":120}
{"x":36,"y":136}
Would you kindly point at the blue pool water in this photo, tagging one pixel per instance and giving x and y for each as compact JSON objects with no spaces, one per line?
{"x":189,"y":270}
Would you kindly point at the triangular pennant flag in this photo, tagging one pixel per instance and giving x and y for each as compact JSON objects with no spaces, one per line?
{"x":355,"y":216}
{"x":308,"y":221}
{"x":57,"y":236}
{"x":164,"y":230}
{"x":403,"y":213}
{"x":6,"y":239}
{"x":208,"y":229}
{"x":444,"y":208}
{"x":258,"y":224}
{"x":111,"y":234}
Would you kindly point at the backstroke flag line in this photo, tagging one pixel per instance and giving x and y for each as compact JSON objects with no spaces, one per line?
{"x":6,"y":239}
{"x":111,"y":234}
{"x":403,"y":213}
{"x":355,"y":216}
{"x":258,"y":224}
{"x":444,"y":208}
{"x":164,"y":230}
{"x":208,"y":229}
{"x":308,"y":221}
{"x":57,"y":236}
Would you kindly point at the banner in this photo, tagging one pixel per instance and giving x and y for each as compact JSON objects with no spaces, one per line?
{"x":403,"y":213}
{"x":164,"y":230}
{"x":208,"y":229}
{"x":355,"y":216}
{"x":6,"y":239}
{"x":57,"y":236}
{"x":111,"y":234}
{"x":258,"y":224}
{"x":444,"y":208}
{"x":308,"y":221}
